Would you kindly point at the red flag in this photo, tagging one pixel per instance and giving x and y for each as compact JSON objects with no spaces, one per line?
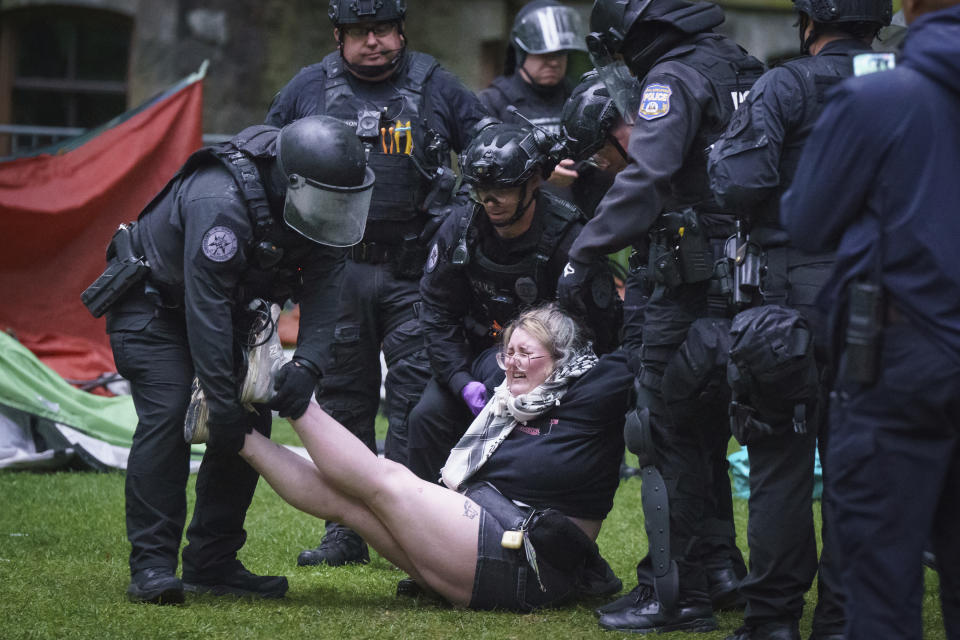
{"x":58,"y":212}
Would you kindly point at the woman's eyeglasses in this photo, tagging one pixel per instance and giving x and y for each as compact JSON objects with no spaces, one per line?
{"x":520,"y":360}
{"x":379,"y":29}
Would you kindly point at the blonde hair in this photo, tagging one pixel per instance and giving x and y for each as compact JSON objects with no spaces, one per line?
{"x":558,"y":332}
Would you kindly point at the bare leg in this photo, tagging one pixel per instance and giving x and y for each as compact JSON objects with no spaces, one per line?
{"x":436,"y":528}
{"x":301,"y":484}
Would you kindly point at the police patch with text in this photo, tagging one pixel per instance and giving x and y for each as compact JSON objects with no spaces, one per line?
{"x":655,"y":102}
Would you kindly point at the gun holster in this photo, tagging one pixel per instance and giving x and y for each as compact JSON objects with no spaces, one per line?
{"x":680,"y":252}
{"x":862,"y":339}
{"x":124,"y":269}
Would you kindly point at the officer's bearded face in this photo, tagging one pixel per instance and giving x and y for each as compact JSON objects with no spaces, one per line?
{"x":370,"y":43}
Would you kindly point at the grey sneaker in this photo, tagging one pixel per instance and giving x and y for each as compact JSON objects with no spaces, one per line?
{"x":264,"y":358}
{"x":195,"y":423}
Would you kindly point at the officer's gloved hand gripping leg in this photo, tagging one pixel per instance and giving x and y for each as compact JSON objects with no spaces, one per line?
{"x":295,"y":384}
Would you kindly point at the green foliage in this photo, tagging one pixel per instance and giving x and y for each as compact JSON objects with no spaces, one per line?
{"x":63,"y":574}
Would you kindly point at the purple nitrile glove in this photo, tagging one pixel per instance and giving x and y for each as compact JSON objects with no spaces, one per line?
{"x":475,"y":395}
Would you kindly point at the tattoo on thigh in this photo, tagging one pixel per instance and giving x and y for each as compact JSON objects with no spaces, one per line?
{"x":469,"y":511}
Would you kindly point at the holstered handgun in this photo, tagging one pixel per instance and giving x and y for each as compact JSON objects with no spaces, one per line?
{"x":746,"y":257}
{"x":680,"y":251}
{"x":124,"y":269}
{"x":862,"y":340}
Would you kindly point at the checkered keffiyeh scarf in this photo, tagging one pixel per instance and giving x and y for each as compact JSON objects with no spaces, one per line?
{"x":503,"y":412}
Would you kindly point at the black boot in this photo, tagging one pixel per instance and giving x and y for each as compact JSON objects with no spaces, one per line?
{"x":339,"y":546}
{"x":157,"y":585}
{"x":770,"y":630}
{"x":722,"y":583}
{"x":235,"y":580}
{"x":648,"y":615}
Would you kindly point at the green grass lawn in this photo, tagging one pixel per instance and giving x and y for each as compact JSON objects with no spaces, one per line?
{"x":63,"y":574}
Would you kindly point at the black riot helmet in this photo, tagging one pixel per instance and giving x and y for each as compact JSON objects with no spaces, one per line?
{"x":589,"y":115}
{"x":546,"y":26}
{"x":643,"y":30}
{"x":862,"y":19}
{"x":832,"y":11}
{"x":507,"y":155}
{"x":329,"y":182}
{"x":343,"y":12}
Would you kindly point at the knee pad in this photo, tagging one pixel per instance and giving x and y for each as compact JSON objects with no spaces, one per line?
{"x":637,"y":432}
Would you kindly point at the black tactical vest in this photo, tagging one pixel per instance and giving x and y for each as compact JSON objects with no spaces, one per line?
{"x":815,"y":75}
{"x":508,"y":91}
{"x":276,"y":251}
{"x":501,"y":291}
{"x":731,"y":80}
{"x":400,"y":188}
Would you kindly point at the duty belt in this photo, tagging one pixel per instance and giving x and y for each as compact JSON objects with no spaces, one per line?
{"x":373,"y":252}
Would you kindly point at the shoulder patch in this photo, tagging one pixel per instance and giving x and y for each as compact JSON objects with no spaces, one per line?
{"x":220,"y":243}
{"x":432,"y":259}
{"x":655,"y":102}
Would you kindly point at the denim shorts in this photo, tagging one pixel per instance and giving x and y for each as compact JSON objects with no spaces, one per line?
{"x":504,"y":579}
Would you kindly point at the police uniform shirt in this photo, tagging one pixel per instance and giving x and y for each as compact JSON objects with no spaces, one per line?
{"x":198,"y":241}
{"x":569,"y":458}
{"x":666,"y":170}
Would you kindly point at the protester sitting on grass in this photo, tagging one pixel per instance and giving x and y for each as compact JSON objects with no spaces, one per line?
{"x":542,"y":458}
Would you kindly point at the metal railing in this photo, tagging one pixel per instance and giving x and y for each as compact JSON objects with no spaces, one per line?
{"x":26,"y":138}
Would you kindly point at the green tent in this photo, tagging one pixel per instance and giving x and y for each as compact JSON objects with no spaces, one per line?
{"x":47,"y":423}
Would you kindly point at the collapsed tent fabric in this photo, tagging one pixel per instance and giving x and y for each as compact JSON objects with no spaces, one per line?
{"x":59,"y":210}
{"x":40,"y":407}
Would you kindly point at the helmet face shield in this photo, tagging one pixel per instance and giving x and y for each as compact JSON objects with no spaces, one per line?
{"x":549,"y":30}
{"x":623,"y":87}
{"x":330,"y":215}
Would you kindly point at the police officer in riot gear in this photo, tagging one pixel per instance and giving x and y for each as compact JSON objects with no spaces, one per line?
{"x":241,"y":220}
{"x":409,"y":112}
{"x":490,"y":260}
{"x":593,"y":127}
{"x":750,"y":167}
{"x":692,"y":81}
{"x":543,"y":36}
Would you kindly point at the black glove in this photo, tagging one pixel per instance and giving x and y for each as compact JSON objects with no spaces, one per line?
{"x":572,"y":288}
{"x":295,"y":384}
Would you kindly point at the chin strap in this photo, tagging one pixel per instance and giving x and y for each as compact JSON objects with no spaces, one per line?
{"x":806,"y":41}
{"x":616,"y":145}
{"x":374,"y":70}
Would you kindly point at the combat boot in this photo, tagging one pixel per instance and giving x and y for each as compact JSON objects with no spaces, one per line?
{"x":156,"y":585}
{"x":722,"y":584}
{"x":340,"y":546}
{"x":235,"y":580}
{"x":649,"y":615}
